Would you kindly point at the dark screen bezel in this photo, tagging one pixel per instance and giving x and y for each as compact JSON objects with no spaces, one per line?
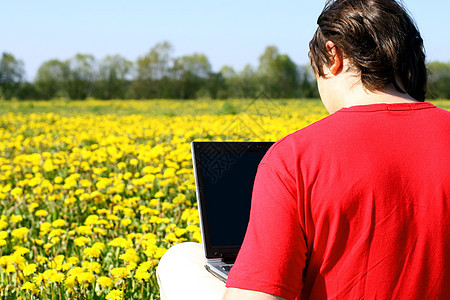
{"x":198,"y":148}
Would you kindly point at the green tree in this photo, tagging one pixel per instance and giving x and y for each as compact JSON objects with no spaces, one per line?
{"x":27,"y":90}
{"x":249,"y":84}
{"x":216,"y":83}
{"x":267,"y":60}
{"x":113,"y":77}
{"x":439,"y":80}
{"x":286,"y":83}
{"x":152,"y":71}
{"x":191,"y":73}
{"x":11,"y":75}
{"x":230,"y":87}
{"x":79,"y":75}
{"x":278,"y":74}
{"x":307,"y":83}
{"x":49,"y":79}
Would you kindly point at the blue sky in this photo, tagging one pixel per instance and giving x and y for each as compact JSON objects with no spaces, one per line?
{"x":233,"y":32}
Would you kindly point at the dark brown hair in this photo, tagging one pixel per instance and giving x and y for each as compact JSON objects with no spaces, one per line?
{"x":379,"y":38}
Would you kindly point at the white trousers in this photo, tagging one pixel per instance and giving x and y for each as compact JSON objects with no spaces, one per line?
{"x":181,"y":275}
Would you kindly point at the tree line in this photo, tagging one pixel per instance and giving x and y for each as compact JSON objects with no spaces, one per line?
{"x":158,"y":74}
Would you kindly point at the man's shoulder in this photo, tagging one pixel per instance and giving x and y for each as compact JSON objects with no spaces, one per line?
{"x":310,"y":132}
{"x":289,"y":147}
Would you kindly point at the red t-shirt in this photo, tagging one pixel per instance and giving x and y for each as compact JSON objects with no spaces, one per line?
{"x":355,"y":206}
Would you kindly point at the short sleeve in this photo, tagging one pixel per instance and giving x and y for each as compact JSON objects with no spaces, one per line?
{"x":273,"y":254}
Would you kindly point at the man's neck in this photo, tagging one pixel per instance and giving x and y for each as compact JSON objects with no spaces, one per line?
{"x":358,"y":95}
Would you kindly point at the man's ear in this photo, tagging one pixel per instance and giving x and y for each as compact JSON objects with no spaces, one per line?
{"x":337,"y":59}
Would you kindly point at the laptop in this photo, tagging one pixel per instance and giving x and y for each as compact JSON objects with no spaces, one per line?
{"x":224,"y":175}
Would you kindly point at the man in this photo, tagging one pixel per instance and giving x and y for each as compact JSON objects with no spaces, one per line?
{"x":355,"y":206}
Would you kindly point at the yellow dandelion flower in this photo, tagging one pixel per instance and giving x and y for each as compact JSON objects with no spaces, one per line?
{"x":15,"y":218}
{"x":113,"y":217}
{"x":159,"y":252}
{"x":29,"y":269}
{"x":120,"y":272}
{"x":58,"y":223}
{"x":99,"y":231}
{"x":73,"y":260}
{"x":41,"y":259}
{"x":16,"y":192}
{"x":20,"y":233}
{"x":131,"y":266}
{"x":71,"y":281}
{"x":59,"y":259}
{"x":130,"y":256}
{"x":102,"y":211}
{"x":48,"y":246}
{"x":159,"y":194}
{"x":66,"y":266}
{"x":104,"y":281}
{"x":45,"y":228}
{"x":116,"y":199}
{"x":125,"y":222}
{"x":3,"y":235}
{"x":70,"y":200}
{"x":55,"y":240}
{"x":99,"y":245}
{"x":120,"y":242}
{"x":91,"y":220}
{"x":84,"y":230}
{"x":6,"y":188}
{"x":86,"y":276}
{"x":29,"y":286}
{"x":171,"y":237}
{"x":56,"y":232}
{"x":10,"y":268}
{"x":32,"y":207}
{"x":81,"y":241}
{"x":58,"y":277}
{"x":75,"y":271}
{"x":85,"y":183}
{"x":3,"y":224}
{"x":142,"y":276}
{"x":79,"y":192}
{"x":197,"y":237}
{"x":92,"y":252}
{"x":34,"y":181}
{"x":49,"y":273}
{"x":145,"y":266}
{"x":180,"y":231}
{"x":41,"y":213}
{"x":95,"y":267}
{"x":38,"y":279}
{"x":38,"y":242}
{"x":115,"y":295}
{"x":180,"y":198}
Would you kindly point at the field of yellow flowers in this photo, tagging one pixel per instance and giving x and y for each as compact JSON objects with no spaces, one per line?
{"x":93,"y":193}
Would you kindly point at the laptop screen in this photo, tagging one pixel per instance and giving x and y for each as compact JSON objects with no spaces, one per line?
{"x":224,"y":173}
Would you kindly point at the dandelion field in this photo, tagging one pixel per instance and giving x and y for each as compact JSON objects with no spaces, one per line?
{"x":92,"y":193}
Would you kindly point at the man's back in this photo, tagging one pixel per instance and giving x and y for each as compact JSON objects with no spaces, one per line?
{"x":370,"y":187}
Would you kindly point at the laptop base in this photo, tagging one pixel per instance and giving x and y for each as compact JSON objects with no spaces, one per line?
{"x":219,"y":269}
